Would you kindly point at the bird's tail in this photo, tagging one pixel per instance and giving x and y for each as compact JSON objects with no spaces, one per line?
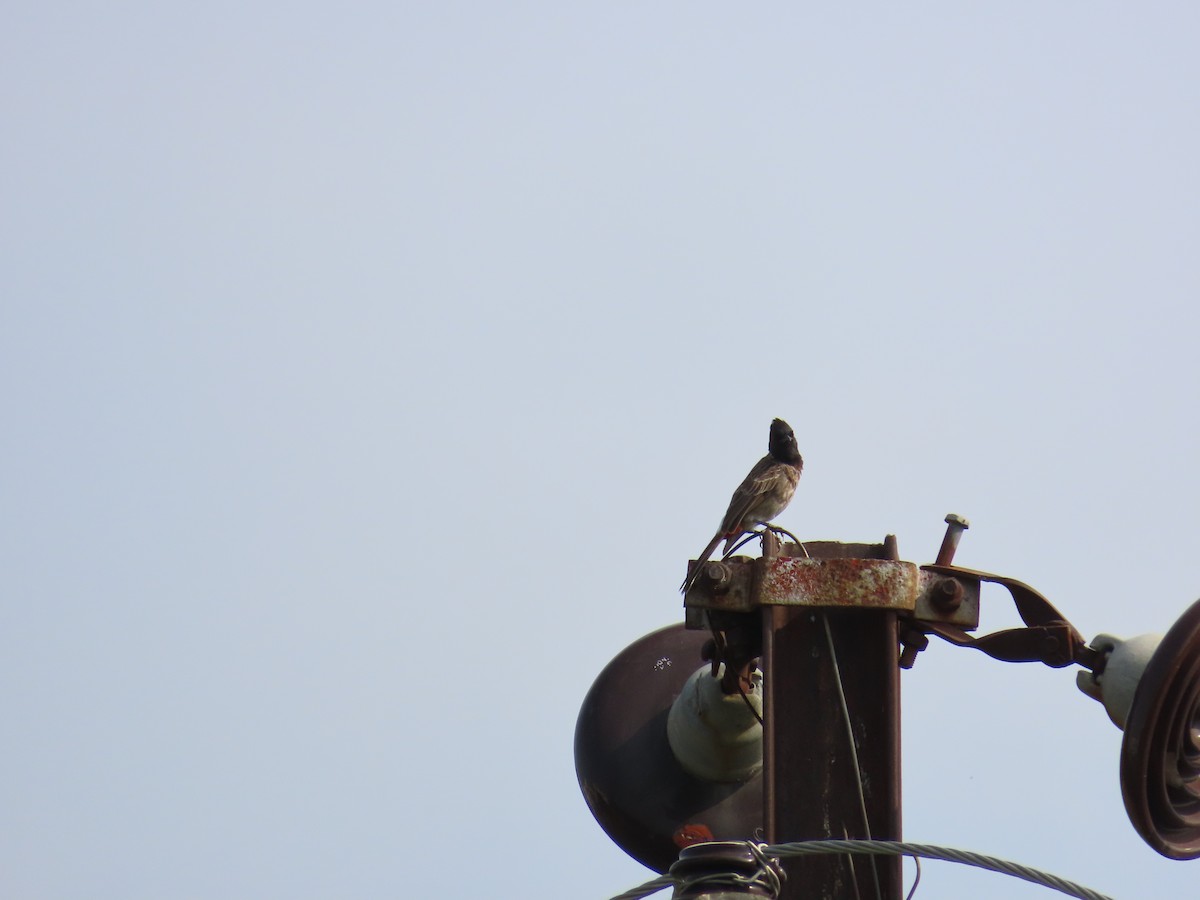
{"x":694,"y":572}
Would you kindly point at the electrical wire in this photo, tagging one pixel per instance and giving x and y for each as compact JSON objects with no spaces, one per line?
{"x":766,"y":880}
{"x":946,"y":854}
{"x":902,"y":848}
{"x":862,"y":801}
{"x":749,"y":705}
{"x":917,"y":880}
{"x":751,"y":535}
{"x":650,"y":887}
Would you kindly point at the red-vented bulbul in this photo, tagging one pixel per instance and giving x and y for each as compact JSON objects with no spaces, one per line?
{"x":763,"y":495}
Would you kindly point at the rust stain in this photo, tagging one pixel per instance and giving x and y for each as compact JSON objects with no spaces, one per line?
{"x":875,"y":583}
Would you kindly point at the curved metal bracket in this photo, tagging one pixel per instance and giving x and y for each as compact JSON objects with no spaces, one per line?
{"x":1048,"y":637}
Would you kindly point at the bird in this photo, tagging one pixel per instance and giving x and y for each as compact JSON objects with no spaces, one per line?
{"x":761,"y":496}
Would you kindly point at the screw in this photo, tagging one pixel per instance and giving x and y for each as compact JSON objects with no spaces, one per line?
{"x":955,"y":526}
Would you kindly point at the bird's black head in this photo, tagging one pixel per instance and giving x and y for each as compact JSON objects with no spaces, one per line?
{"x":782,"y":444}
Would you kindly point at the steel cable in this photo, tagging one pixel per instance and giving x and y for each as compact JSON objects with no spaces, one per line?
{"x":901,"y":848}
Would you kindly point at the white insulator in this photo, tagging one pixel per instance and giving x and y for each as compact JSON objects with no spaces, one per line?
{"x":715,"y":736}
{"x":1117,"y":683}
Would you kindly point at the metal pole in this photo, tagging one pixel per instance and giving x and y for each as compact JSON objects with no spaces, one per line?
{"x":811,"y":788}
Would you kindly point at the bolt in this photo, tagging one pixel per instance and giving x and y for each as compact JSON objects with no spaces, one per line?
{"x":955,"y":526}
{"x":718,"y":573}
{"x":947,"y":595}
{"x":914,"y":642}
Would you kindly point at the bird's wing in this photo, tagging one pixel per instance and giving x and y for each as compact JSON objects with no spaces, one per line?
{"x":767,"y":475}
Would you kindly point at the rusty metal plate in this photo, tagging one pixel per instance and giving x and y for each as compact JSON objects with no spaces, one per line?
{"x":952,"y":600}
{"x":727,"y":585}
{"x":847,"y":583}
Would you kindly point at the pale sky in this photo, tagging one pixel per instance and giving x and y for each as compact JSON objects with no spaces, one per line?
{"x":370,"y":372}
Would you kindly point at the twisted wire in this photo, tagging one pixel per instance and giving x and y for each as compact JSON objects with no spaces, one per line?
{"x":902,"y":848}
{"x":767,"y":876}
{"x":650,"y":887}
{"x":946,"y":854}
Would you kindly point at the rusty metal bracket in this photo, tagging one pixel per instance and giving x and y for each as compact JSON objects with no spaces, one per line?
{"x":939,"y":599}
{"x":927,"y":593}
{"x":1048,"y":637}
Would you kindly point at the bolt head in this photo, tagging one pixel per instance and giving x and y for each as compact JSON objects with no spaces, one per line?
{"x":718,"y":573}
{"x":947,"y":595}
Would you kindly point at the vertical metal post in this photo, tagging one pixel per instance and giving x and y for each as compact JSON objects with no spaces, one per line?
{"x":811,"y":790}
